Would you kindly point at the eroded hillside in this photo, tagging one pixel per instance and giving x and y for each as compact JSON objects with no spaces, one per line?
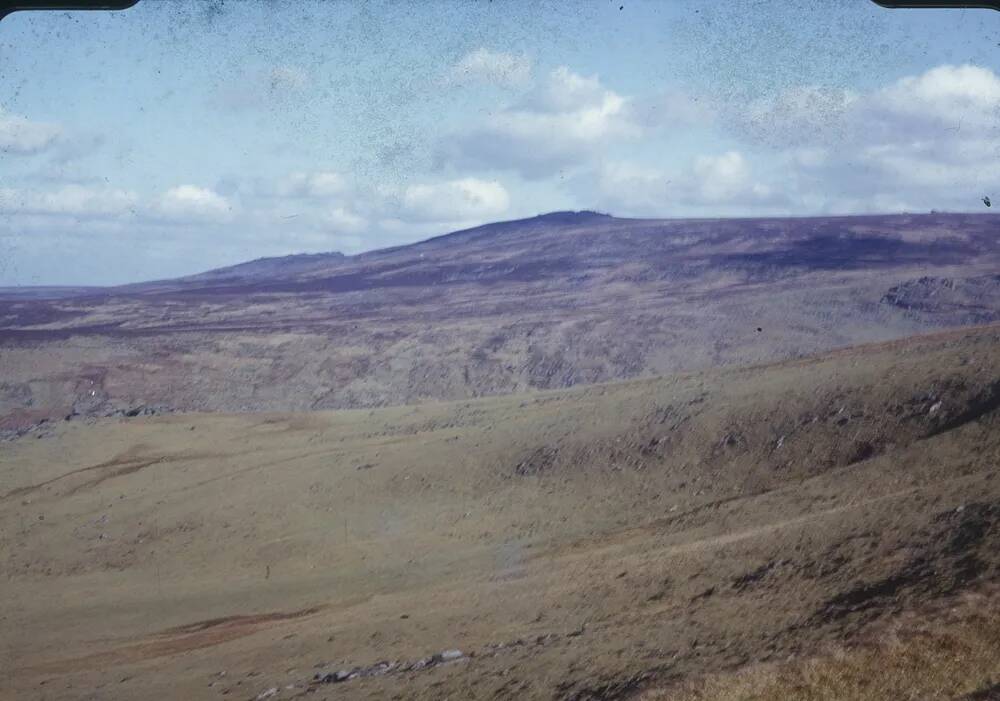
{"x":555,"y":301}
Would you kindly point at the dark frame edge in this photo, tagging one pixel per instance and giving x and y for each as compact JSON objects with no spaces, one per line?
{"x":9,"y":6}
{"x":938,"y":4}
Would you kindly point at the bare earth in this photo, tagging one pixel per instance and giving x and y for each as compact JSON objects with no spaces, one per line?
{"x":636,"y":539}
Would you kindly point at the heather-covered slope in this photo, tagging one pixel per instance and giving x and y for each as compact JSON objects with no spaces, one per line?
{"x":554,"y":301}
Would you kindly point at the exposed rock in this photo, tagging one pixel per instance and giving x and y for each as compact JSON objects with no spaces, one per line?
{"x":386,"y":667}
{"x":139,"y":410}
{"x":333,"y":677}
{"x":976,"y":299}
{"x":422,"y":663}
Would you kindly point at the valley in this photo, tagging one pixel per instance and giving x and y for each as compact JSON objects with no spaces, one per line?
{"x":613,"y":541}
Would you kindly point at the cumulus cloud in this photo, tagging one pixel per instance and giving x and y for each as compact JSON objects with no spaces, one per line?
{"x":942,"y":99}
{"x":711,"y":185}
{"x":496,"y":67}
{"x":70,"y":200}
{"x":629,"y":189}
{"x":187,"y":217}
{"x":21,"y":136}
{"x":320,"y":184}
{"x":726,"y":177}
{"x":455,"y":200}
{"x":318,"y":206}
{"x":930,"y":140}
{"x":943,"y":96}
{"x":560,"y":124}
{"x":926,"y":141}
{"x":192,"y":203}
{"x":343,"y":220}
{"x":183,"y":203}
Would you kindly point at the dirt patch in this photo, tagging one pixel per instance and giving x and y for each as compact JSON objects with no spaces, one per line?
{"x":174,"y":641}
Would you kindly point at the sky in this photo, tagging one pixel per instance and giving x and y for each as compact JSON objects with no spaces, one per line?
{"x":178,"y":136}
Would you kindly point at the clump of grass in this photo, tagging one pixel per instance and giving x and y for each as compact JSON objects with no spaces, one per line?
{"x":944,"y":657}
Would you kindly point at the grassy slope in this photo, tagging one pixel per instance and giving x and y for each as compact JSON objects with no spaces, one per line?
{"x":618,"y":537}
{"x":944,"y":653}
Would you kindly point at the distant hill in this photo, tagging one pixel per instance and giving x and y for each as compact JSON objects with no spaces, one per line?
{"x":552,"y":301}
{"x":270,"y":267}
{"x":250,"y":272}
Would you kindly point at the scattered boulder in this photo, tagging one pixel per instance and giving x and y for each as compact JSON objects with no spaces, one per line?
{"x":334,"y":677}
{"x":386,"y":667}
{"x":422,"y":663}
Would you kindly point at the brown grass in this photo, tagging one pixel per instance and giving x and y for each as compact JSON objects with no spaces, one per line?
{"x":579,"y":544}
{"x":947,"y":655}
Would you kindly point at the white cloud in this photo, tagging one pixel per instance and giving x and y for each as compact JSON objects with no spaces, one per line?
{"x":561,"y":124}
{"x":566,"y":91}
{"x":725,"y":177}
{"x":629,"y":188}
{"x":455,"y":200}
{"x":711,"y":185}
{"x":496,"y":67}
{"x":321,"y":184}
{"x":21,"y":136}
{"x":345,"y":221}
{"x":967,"y":95}
{"x":192,"y":203}
{"x":69,"y":200}
{"x":924,"y":141}
{"x":193,"y":225}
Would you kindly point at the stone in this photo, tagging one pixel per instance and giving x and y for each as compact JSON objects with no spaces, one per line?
{"x":421,"y":664}
{"x":333,"y":677}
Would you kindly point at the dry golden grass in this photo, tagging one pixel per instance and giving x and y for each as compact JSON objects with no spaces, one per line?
{"x":944,"y":656}
{"x":577,"y":544}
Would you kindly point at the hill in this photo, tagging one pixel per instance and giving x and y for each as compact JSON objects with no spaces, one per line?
{"x":592,"y":543}
{"x":558,"y":300}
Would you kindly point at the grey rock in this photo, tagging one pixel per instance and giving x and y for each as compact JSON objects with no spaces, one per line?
{"x":421,"y":664}
{"x":380,"y":668}
{"x":333,"y":677}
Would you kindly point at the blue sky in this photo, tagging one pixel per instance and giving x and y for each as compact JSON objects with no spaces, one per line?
{"x":180,"y":136}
